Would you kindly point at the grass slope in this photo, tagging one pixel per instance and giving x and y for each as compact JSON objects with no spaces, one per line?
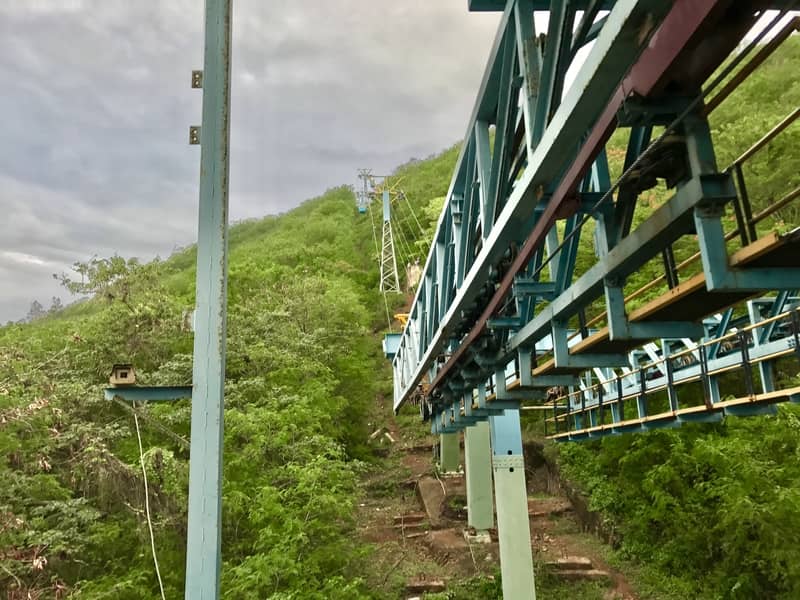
{"x":302,"y":358}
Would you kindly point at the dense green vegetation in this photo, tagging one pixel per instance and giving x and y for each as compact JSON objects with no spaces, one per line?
{"x":714,"y":511}
{"x":300,"y":366}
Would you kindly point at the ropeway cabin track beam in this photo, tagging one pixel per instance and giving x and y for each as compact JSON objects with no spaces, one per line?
{"x":505,"y":198}
{"x":619,"y":42}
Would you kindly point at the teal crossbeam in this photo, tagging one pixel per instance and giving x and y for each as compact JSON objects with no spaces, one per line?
{"x":621,"y":328}
{"x":527,"y":287}
{"x":140,"y":394}
{"x":720,"y":276}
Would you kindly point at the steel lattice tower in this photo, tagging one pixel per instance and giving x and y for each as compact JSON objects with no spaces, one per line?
{"x":390,"y":282}
{"x":364,"y":194}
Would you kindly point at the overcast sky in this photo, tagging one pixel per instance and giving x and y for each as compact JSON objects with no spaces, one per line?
{"x":97,"y":103}
{"x":96,"y":106}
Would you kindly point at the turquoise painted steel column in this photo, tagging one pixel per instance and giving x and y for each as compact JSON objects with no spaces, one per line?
{"x":478,"y":468}
{"x":205,"y":466}
{"x":449,"y":453}
{"x":387,"y":206}
{"x":513,"y":528}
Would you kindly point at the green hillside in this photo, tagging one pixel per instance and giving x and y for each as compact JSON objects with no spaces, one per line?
{"x":301,"y":369}
{"x":704,"y":512}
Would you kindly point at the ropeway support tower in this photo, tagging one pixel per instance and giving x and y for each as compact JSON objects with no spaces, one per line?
{"x":369,"y":189}
{"x":390,"y":281}
{"x":364,"y":193}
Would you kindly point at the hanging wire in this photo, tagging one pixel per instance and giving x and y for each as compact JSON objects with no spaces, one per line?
{"x":414,"y":215}
{"x":147,"y":505}
{"x":410,"y":242}
{"x":405,"y":245}
{"x":413,"y":251}
{"x":374,"y":235}
{"x":149,"y":420}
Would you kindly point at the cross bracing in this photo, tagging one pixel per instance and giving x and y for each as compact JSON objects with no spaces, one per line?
{"x":611,"y":401}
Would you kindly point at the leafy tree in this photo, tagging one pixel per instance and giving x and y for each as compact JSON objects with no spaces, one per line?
{"x":55,"y":305}
{"x":36,"y":311}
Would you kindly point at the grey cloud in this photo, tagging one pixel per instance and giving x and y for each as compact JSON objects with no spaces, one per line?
{"x":94,"y":156}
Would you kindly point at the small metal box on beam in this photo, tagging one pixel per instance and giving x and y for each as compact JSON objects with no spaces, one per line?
{"x":122,"y":374}
{"x":194,"y":135}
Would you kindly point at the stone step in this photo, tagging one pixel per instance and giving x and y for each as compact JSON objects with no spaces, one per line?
{"x":547,"y":507}
{"x":421,"y":448}
{"x":418,"y":586}
{"x":411,"y":526}
{"x":538,"y":514}
{"x":582,"y":574}
{"x":432,"y":495}
{"x":407,"y":518}
{"x":571,"y":563}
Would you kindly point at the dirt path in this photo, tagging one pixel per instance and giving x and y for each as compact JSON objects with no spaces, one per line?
{"x":414,"y":522}
{"x":557,"y":536}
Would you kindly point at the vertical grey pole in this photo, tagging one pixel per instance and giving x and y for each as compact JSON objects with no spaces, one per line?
{"x":513,"y":525}
{"x":449,"y":453}
{"x":205,"y":467}
{"x":478,"y":470}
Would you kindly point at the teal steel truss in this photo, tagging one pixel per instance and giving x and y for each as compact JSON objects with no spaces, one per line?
{"x":500,"y":286}
{"x":500,"y":316}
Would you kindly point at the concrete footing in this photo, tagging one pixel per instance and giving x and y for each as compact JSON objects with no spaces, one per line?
{"x":478,"y":537}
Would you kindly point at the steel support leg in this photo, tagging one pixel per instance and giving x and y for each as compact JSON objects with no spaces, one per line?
{"x":767,"y":376}
{"x":205,"y":467}
{"x":516,"y":558}
{"x":449,"y":453}
{"x":765,"y":367}
{"x":477,"y":461}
